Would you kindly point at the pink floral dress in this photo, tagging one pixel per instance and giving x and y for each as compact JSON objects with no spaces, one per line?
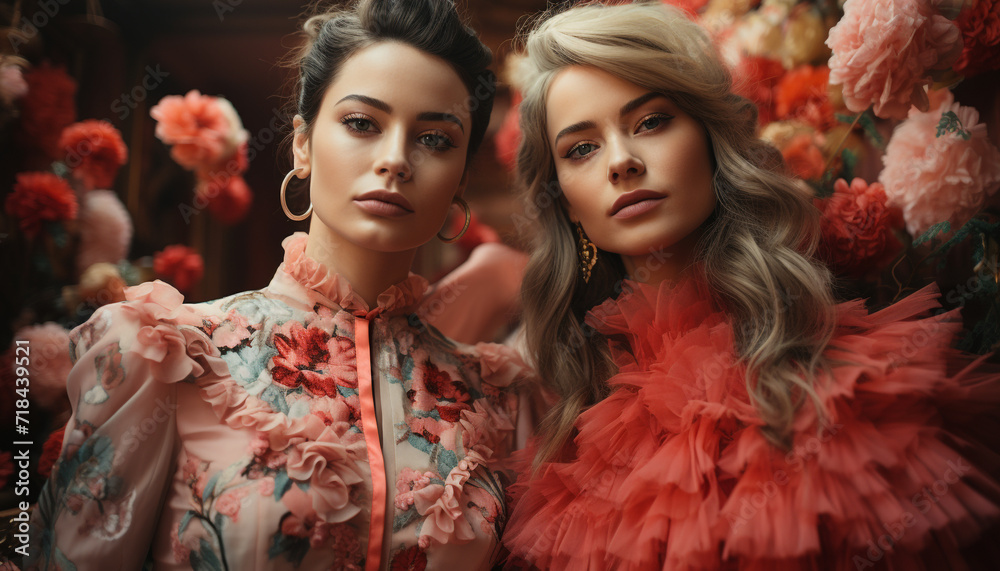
{"x":288,"y":428}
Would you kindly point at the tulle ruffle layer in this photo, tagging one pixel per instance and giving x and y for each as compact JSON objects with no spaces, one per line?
{"x":672,"y":471}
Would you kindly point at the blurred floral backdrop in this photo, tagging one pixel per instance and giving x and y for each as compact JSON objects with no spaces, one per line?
{"x":885,"y":110}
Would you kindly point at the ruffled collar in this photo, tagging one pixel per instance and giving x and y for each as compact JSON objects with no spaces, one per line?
{"x":312,"y":275}
{"x":646,"y":314}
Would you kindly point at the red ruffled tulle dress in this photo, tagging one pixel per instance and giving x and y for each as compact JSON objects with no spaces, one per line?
{"x":672,"y":471}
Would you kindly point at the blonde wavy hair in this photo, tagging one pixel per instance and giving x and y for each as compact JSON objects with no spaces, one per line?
{"x":756,"y":248}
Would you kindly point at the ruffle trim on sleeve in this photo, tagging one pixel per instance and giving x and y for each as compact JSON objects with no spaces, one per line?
{"x":672,"y":471}
{"x":166,"y":339}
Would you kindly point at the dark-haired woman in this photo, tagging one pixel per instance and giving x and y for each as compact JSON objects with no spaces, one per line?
{"x":317,"y":423}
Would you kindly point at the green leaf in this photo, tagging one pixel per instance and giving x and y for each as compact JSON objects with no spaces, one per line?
{"x":950,"y":123}
{"x":184,"y":522}
{"x":282,"y":483}
{"x":206,"y":559}
{"x":849,"y":160}
{"x":867,"y":123}
{"x":933,"y":232}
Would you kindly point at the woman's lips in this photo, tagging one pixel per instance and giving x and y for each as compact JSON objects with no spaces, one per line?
{"x":634,"y":203}
{"x":384,"y":203}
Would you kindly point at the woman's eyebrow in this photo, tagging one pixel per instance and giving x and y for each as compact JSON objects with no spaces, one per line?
{"x":637,"y":102}
{"x":439,"y":116}
{"x":575,"y":128}
{"x":376,"y":103}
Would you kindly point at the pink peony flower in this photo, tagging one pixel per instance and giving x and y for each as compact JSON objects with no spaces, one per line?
{"x":884,"y":51}
{"x":12,"y":84}
{"x":940,"y":165}
{"x":94,"y":150}
{"x":203,"y":130}
{"x":50,"y":364}
{"x":105,"y":229}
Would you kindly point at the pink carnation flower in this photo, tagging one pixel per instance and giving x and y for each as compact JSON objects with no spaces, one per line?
{"x":884,"y":50}
{"x":203,"y":130}
{"x":935,"y":177}
{"x":105,"y":229}
{"x":50,"y":364}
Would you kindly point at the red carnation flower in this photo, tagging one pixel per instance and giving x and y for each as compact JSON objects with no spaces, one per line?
{"x":94,"y":150}
{"x":857,"y":228}
{"x":179,"y":265}
{"x":49,"y":107}
{"x":802,"y":94}
{"x":980,"y":28}
{"x":38,"y":197}
{"x":50,"y":452}
{"x":803,"y":157}
{"x":227,"y":197}
{"x":758,"y":76}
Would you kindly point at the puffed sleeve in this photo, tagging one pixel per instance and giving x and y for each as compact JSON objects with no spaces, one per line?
{"x":101,"y":503}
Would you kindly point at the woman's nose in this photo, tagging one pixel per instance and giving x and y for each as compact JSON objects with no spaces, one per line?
{"x":392,"y":160}
{"x":624,"y":164}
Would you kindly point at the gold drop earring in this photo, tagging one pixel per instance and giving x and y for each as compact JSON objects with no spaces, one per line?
{"x":587,"y":252}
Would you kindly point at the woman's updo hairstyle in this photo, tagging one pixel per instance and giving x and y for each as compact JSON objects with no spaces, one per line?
{"x":432,"y":26}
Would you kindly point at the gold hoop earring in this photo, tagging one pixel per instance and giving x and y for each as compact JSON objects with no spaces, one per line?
{"x":587,"y":251}
{"x":468,"y":219}
{"x":284,"y":205}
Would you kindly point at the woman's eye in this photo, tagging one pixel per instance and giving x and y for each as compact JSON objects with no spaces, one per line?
{"x":436,"y":141}
{"x":359,"y":124}
{"x":580,"y":151}
{"x":652,"y":122}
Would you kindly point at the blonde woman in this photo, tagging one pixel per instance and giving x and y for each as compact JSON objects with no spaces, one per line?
{"x":725,"y":412}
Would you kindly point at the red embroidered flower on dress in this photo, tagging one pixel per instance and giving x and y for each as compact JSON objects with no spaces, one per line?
{"x":980,"y":27}
{"x":179,"y":265}
{"x":440,"y":385}
{"x":94,"y":151}
{"x":857,"y":228}
{"x":310,"y":357}
{"x":109,"y":367}
{"x":39,"y":197}
{"x":409,"y":559}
